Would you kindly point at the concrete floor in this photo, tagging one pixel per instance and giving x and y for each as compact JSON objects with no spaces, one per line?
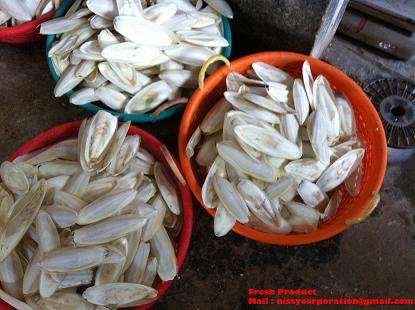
{"x":373,"y":259}
{"x":271,"y":25}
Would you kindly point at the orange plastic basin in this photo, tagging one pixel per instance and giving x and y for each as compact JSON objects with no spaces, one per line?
{"x":352,"y":209}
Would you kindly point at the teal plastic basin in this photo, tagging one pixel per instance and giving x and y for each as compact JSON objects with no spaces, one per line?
{"x":136,"y":118}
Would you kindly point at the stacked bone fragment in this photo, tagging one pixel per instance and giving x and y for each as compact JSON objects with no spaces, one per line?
{"x":18,"y":12}
{"x":87,"y":223}
{"x":134,"y":56}
{"x":275,"y":151}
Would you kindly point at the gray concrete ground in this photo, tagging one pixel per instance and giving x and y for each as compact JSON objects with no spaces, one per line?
{"x":373,"y":259}
{"x":271,"y":25}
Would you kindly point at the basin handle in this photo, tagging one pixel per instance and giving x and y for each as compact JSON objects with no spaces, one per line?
{"x":365,"y":214}
{"x":207,"y":64}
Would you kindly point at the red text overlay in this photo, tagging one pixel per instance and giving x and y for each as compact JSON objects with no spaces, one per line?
{"x":298,"y":297}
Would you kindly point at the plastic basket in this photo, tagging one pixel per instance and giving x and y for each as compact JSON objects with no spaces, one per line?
{"x":25,"y":33}
{"x":353,"y":209}
{"x":137,"y":118}
{"x":70,"y":130}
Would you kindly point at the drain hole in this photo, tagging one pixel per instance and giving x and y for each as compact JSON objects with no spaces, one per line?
{"x":398,"y":111}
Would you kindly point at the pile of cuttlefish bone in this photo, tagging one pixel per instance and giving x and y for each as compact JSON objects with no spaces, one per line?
{"x":274,"y":148}
{"x":134,"y":56}
{"x":87,"y":222}
{"x":18,"y":12}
